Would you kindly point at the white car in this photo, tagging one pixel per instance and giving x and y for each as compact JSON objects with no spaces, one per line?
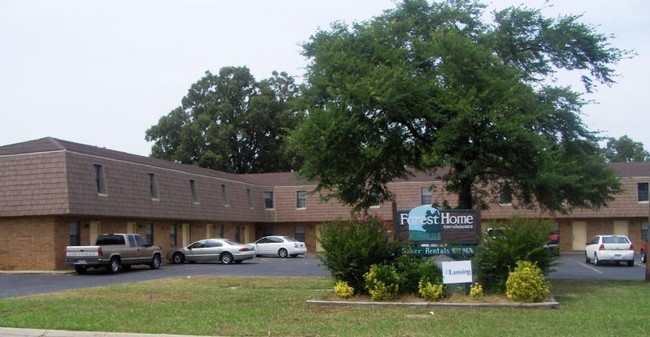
{"x":282,"y":246}
{"x":610,"y":248}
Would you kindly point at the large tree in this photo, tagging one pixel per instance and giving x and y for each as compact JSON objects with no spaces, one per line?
{"x":625,"y":149}
{"x":231,"y":122}
{"x":431,"y":85}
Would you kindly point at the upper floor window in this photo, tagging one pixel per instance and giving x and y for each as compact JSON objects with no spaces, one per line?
{"x":249,"y":195}
{"x":642,"y":189}
{"x":153,"y":186}
{"x":425,"y":196}
{"x":268,"y":200}
{"x":195,"y":192}
{"x":100,"y":181}
{"x":224,"y":195}
{"x":505,"y":195}
{"x":301,"y":199}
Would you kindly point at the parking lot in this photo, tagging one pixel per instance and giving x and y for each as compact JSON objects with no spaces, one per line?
{"x":569,"y":266}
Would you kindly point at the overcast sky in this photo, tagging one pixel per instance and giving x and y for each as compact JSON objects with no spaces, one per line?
{"x":102,"y":72}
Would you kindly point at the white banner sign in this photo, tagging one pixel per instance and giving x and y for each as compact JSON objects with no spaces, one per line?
{"x":457,"y":272}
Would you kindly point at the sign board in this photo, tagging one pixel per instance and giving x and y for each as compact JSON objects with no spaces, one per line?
{"x":429,"y":225}
{"x":457,"y":272}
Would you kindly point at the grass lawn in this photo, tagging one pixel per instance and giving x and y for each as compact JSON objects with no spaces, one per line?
{"x":275,"y":306}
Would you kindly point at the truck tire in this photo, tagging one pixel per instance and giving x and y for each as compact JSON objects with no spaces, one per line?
{"x":80,"y":269}
{"x":155,"y":262}
{"x":114,"y":265}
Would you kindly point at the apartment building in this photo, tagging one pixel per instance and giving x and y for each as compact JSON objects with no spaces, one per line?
{"x":55,"y":193}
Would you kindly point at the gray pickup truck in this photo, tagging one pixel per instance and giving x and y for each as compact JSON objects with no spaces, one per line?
{"x":114,"y":252}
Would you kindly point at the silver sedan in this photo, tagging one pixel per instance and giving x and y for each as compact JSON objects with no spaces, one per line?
{"x":211,"y":250}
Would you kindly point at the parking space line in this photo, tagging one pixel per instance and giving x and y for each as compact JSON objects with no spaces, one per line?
{"x":590,"y":267}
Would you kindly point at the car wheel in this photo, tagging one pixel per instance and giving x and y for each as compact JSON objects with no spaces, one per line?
{"x":178,"y":258}
{"x":80,"y":269}
{"x":630,"y":263}
{"x":283,"y":253}
{"x":596,"y":262}
{"x":226,"y":258}
{"x":114,"y":265}
{"x":155,"y":263}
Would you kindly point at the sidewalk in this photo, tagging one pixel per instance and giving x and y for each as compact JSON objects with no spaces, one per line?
{"x":13,"y":332}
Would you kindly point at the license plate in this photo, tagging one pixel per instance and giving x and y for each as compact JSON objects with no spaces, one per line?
{"x":80,"y":262}
{"x":617,"y":256}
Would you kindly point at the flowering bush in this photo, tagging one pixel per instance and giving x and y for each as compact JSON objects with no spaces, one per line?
{"x":430,"y":291}
{"x":382,"y":282}
{"x":476,"y":291}
{"x":342,"y":289}
{"x":527,"y":283}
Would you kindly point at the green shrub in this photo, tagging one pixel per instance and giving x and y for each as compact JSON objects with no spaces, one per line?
{"x":352,"y":247}
{"x":527,"y":283}
{"x":382,"y":282}
{"x":430,"y":291}
{"x":343,"y":289}
{"x":476,"y":291}
{"x":412,"y":269}
{"x":522,"y":239}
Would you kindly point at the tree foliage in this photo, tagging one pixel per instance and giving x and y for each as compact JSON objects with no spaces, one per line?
{"x":431,"y":85}
{"x":231,"y":122}
{"x":625,"y":150}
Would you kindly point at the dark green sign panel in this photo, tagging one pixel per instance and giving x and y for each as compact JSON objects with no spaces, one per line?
{"x":446,"y":250}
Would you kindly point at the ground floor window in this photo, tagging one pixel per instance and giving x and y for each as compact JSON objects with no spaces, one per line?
{"x":644,"y":231}
{"x":75,"y":238}
{"x":173,"y":235}
{"x":300,"y":233}
{"x":149,"y":233}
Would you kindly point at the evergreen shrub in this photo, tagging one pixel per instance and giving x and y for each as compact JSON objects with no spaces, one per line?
{"x":353,"y":246}
{"x":527,"y":283}
{"x":520,"y":240}
{"x":382,"y":282}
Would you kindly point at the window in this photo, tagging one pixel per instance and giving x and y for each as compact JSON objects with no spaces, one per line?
{"x":153,"y":186}
{"x":224,"y":195}
{"x":644,"y":231}
{"x":300,"y":233}
{"x":505,"y":195}
{"x":217,"y":231}
{"x":149,"y":233}
{"x":195,"y":192}
{"x":425,"y":196}
{"x":301,"y":199}
{"x":100,"y":182}
{"x":250,"y":198}
{"x":642,"y":188}
{"x":268,"y":200}
{"x":173,"y":235}
{"x":74,"y":234}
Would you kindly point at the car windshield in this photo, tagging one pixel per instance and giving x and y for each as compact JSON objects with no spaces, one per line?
{"x":231,"y":242}
{"x":289,"y":239}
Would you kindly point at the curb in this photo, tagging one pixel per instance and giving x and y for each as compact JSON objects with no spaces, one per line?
{"x":552,"y":304}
